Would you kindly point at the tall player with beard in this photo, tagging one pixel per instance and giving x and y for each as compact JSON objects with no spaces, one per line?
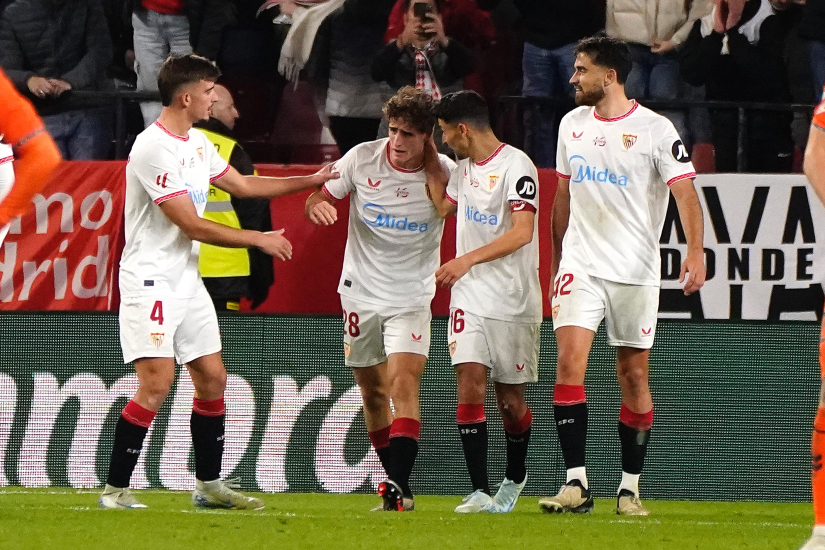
{"x":388,"y":279}
{"x":495,"y":306}
{"x":617,"y":162}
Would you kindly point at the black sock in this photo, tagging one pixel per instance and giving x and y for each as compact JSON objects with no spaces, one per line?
{"x":474,"y":441}
{"x":404,"y":451}
{"x":207,"y":440}
{"x":125,"y":452}
{"x":571,"y":426}
{"x":634,"y":447}
{"x":384,"y":455}
{"x":517,"y":455}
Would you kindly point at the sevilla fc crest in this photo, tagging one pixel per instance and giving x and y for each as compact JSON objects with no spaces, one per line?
{"x":157,"y":339}
{"x":347,"y":350}
{"x":628,"y":140}
{"x":493,"y":182}
{"x":452,"y":348}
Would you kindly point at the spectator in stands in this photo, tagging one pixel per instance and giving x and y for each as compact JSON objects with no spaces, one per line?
{"x":230,"y":274}
{"x":655,"y":30}
{"x":813,"y":29}
{"x":551,"y":30}
{"x":744,"y":63}
{"x":353,"y":99}
{"x":422,"y":55}
{"x":172,"y":27}
{"x":50,"y":48}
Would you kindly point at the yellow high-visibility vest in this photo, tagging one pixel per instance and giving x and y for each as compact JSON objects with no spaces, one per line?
{"x":216,"y":261}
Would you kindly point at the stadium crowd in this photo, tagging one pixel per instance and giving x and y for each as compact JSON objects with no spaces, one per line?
{"x":347,"y":57}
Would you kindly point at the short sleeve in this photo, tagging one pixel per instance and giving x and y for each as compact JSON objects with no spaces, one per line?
{"x":452,"y":185}
{"x":671,"y":155}
{"x":218,"y":167}
{"x":522,"y":181}
{"x":339,"y":188}
{"x":158,"y":171}
{"x":819,"y":114}
{"x":562,"y":161}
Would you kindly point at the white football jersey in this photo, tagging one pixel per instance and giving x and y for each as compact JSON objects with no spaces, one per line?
{"x":620,"y":170}
{"x":394,"y":233}
{"x":487,"y":193}
{"x":158,"y":256}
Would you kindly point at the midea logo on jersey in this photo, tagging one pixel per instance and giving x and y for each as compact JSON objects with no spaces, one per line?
{"x":376,"y":216}
{"x":584,"y":173}
{"x":471,"y":213}
{"x":198,"y":195}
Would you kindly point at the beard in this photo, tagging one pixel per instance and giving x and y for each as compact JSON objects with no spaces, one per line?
{"x":590,"y":98}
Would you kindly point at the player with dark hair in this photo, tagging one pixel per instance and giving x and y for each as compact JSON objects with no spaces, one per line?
{"x":495,"y":308}
{"x":617,"y":162}
{"x":165,"y":311}
{"x":388,"y":279}
{"x":815,"y":171}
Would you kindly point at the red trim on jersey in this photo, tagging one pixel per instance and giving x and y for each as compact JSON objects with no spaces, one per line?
{"x":627,"y":114}
{"x":405,"y":427}
{"x":568,"y":394}
{"x":449,"y":198}
{"x":137,"y":415}
{"x":182,"y":138}
{"x":6,"y":159}
{"x":682,"y":177}
{"x":170,"y":196}
{"x":219,"y":176}
{"x":521,"y":206}
{"x":327,"y":193}
{"x":488,"y":159}
{"x":403,"y":170}
{"x":562,"y":176}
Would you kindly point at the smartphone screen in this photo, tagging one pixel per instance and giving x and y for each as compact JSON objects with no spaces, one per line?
{"x":422,"y":10}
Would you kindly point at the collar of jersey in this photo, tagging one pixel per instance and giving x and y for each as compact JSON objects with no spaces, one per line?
{"x":162,"y":127}
{"x":620,"y":117}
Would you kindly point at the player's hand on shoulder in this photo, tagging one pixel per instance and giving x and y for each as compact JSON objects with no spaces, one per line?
{"x":327,"y":173}
{"x":449,"y":273}
{"x":323,"y":213}
{"x":275,"y":244}
{"x":693,"y":269}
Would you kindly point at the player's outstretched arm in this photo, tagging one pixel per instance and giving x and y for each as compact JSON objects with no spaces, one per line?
{"x":437,"y":180}
{"x":263,"y":187}
{"x":690,"y":212}
{"x":320,"y":209}
{"x":182,"y":213}
{"x":520,"y":234}
{"x":815,"y":161}
{"x":559,"y":219}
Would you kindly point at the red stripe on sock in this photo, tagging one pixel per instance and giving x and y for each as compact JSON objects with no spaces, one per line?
{"x":380,"y":438}
{"x":638,"y":421}
{"x":405,"y":427}
{"x":470,"y":414}
{"x":137,"y":415}
{"x":520,"y":426}
{"x":567,"y":394}
{"x":203,"y":407}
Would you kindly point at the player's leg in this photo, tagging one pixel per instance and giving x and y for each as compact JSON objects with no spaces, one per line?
{"x":817,"y":540}
{"x":471,"y":379}
{"x":635,"y":422}
{"x":374,"y":384}
{"x":155,"y":378}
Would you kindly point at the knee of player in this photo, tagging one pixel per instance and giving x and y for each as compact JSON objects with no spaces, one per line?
{"x":511,"y":406}
{"x":570,"y":369}
{"x":156,"y":389}
{"x":375,"y":397}
{"x":633,"y":378}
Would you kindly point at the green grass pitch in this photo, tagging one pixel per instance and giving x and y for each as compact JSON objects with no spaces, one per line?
{"x":68,"y":518}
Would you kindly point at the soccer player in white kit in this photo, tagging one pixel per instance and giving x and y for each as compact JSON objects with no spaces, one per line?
{"x":495,"y":306}
{"x":165,"y":311}
{"x":616,"y":163}
{"x":388,"y":279}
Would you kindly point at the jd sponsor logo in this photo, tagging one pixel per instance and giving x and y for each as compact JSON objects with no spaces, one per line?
{"x":377,"y":216}
{"x":597,"y":174}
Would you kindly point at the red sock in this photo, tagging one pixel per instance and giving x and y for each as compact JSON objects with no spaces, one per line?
{"x":137,"y":415}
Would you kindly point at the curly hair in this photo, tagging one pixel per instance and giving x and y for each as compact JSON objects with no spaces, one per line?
{"x":414,"y":107}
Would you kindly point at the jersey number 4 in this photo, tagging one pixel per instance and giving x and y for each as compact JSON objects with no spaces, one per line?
{"x":560,"y":288}
{"x":157,"y":312}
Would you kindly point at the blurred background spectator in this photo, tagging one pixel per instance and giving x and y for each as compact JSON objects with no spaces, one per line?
{"x":745,"y":63}
{"x":812,"y":28}
{"x":51,"y":48}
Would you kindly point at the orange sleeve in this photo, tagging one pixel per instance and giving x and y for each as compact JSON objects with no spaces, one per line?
{"x":819,"y":113}
{"x":36,"y":155}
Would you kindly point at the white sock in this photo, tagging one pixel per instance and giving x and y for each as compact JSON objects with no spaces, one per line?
{"x":630,"y":482}
{"x":819,"y":530}
{"x":577,"y":473}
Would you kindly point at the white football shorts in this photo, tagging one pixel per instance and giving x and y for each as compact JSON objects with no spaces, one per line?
{"x":160,"y":325}
{"x":509,"y":349}
{"x":373,"y":332}
{"x":629,"y":311}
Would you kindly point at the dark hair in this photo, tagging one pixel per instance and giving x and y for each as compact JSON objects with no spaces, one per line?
{"x":408,"y":3}
{"x":465,"y":106}
{"x":607,"y":52}
{"x":414,"y":107}
{"x":180,"y":70}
